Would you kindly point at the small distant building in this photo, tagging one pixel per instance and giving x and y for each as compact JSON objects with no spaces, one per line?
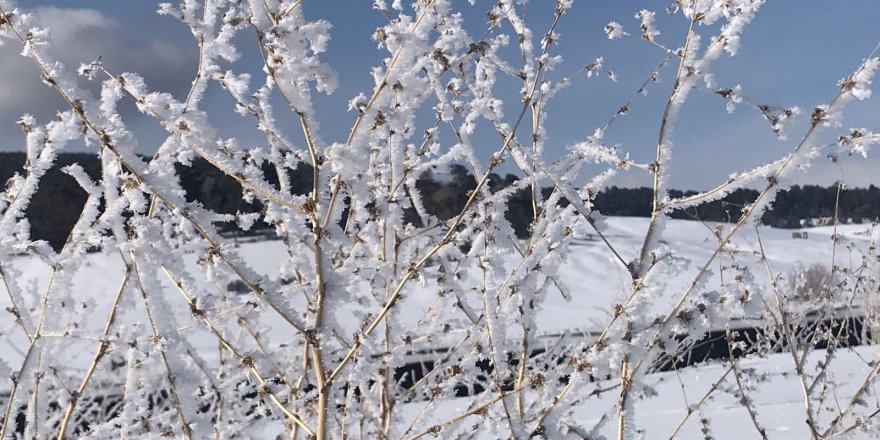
{"x":798,"y":235}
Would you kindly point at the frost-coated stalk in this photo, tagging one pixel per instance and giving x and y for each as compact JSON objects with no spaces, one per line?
{"x":854,"y":400}
{"x":33,"y":408}
{"x":16,"y":381}
{"x":323,"y":380}
{"x":182,"y":129}
{"x":314,"y":341}
{"x":693,"y":409}
{"x":158,"y":341}
{"x":495,"y":327}
{"x":745,"y":400}
{"x":623,"y":404}
{"x":446,"y":239}
{"x":658,"y":167}
{"x":16,"y":308}
{"x":246,"y":361}
{"x":167,"y":201}
{"x":313,"y":347}
{"x":760,"y":203}
{"x":475,"y":409}
{"x":784,"y":326}
{"x":103,"y":345}
{"x":426,"y":8}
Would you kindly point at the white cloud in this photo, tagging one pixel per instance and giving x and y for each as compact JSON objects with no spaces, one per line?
{"x":82,"y":35}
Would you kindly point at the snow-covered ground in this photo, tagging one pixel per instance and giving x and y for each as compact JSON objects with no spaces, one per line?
{"x":594,"y":279}
{"x":596,"y":282}
{"x":776,"y":398}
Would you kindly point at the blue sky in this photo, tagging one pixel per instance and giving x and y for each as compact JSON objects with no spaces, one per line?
{"x":793,"y":54}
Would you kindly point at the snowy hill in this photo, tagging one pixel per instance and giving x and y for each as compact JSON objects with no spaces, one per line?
{"x":590,"y":274}
{"x":593,"y":281}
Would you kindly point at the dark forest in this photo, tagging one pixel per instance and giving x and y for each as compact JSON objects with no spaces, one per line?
{"x":59,"y":200}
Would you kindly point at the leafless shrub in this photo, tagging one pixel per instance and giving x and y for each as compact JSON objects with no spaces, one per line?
{"x":810,"y":284}
{"x":320,"y":347}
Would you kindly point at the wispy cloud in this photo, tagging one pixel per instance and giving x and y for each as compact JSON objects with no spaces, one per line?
{"x":79,"y":36}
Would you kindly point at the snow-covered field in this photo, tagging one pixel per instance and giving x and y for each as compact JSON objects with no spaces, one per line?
{"x":596,"y":283}
{"x":777,"y":400}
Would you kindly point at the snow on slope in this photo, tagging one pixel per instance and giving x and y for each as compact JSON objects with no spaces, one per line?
{"x":594,"y":279}
{"x":776,"y":398}
{"x":596,"y":282}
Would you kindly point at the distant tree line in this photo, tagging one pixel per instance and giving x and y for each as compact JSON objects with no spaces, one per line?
{"x":59,"y":200}
{"x":790,"y":208}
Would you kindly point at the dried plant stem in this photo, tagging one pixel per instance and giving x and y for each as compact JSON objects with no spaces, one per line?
{"x":582,"y":210}
{"x":384,"y":83}
{"x":783,"y":326}
{"x":494,"y":348}
{"x":426,"y":7}
{"x":442,"y":364}
{"x":16,"y":309}
{"x":183,"y":132}
{"x":246,"y":361}
{"x":290,"y":8}
{"x":458,"y":219}
{"x":314,"y":371}
{"x":196,"y":82}
{"x":311,"y":209}
{"x":99,"y":354}
{"x":322,"y":384}
{"x":293,"y":426}
{"x":157,"y":339}
{"x":437,"y":428}
{"x":16,"y":381}
{"x":447,"y":238}
{"x":105,"y":142}
{"x":772,"y":185}
{"x":708,"y":195}
{"x":658,"y":165}
{"x":857,"y":395}
{"x":692,"y":409}
{"x":536,"y":126}
{"x":521,"y":370}
{"x":35,"y":403}
{"x":744,"y":398}
{"x":625,"y":382}
{"x":860,"y":423}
